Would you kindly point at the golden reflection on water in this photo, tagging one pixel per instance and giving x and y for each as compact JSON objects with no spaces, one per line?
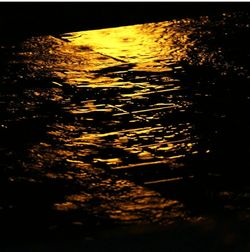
{"x":124,"y":94}
{"x":150,"y":46}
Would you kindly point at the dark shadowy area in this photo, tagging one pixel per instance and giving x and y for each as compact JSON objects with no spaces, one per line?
{"x":20,"y":20}
{"x":209,"y":237}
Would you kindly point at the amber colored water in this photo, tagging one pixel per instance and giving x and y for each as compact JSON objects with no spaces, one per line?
{"x":141,"y":124}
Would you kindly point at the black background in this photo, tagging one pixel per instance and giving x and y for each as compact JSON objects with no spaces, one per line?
{"x":20,"y":19}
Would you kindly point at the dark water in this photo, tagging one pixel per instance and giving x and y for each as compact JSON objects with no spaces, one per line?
{"x":143,"y":124}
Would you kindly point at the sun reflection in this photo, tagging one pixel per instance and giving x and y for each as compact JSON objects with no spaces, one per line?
{"x":147,"y":45}
{"x":121,"y":109}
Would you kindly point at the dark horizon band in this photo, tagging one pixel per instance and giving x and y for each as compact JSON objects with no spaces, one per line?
{"x":20,"y":19}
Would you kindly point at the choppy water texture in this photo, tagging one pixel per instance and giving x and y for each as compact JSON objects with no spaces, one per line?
{"x":135,"y":124}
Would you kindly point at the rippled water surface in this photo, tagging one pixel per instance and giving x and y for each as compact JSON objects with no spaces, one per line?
{"x":124,"y":125}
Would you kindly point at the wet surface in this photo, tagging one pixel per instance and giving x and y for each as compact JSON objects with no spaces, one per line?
{"x":142,"y":124}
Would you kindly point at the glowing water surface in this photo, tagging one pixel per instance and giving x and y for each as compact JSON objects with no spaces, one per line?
{"x":110,"y":114}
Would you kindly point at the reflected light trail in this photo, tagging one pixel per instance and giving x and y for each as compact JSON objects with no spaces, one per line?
{"x":120,"y":108}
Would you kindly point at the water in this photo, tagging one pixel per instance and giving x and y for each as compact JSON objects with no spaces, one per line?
{"x":142,"y":124}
